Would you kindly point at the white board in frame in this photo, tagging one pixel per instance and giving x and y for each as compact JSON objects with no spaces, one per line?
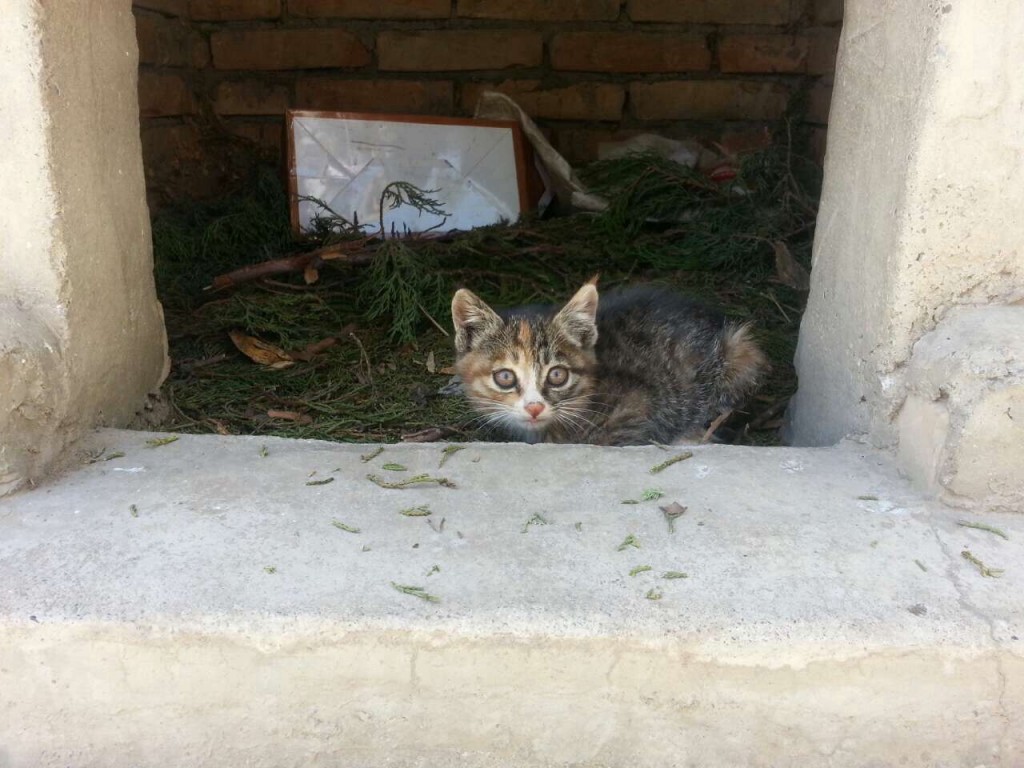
{"x":346,"y":159}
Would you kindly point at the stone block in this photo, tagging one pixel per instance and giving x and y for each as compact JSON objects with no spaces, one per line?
{"x":32,"y":397}
{"x":961,"y":428}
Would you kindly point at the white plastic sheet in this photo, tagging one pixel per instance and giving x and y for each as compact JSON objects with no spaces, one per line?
{"x":476,"y":169}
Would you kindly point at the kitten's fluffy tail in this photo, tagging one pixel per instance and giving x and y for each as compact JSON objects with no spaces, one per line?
{"x":745,"y":365}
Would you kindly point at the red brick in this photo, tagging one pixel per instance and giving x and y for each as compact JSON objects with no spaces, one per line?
{"x":169,"y":43}
{"x":715,"y":11}
{"x":580,"y":145}
{"x":182,"y":162}
{"x":267,"y":137}
{"x":824,"y":46}
{"x":819,"y":101}
{"x":433,"y":97}
{"x":629,"y":52}
{"x":287,"y":49}
{"x":458,"y":50}
{"x":168,"y":7}
{"x":250,"y":97}
{"x":763,"y":53}
{"x":371,"y":9}
{"x":234,"y":10}
{"x":540,"y":10}
{"x":828,"y":11}
{"x":164,"y":95}
{"x":708,"y":100}
{"x":167,"y":145}
{"x":169,"y":155}
{"x":583,"y":101}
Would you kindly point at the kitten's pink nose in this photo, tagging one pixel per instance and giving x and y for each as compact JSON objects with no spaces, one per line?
{"x":534,"y":409}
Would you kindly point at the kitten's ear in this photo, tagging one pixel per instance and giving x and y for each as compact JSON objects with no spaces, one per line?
{"x":471,"y":318}
{"x":578,"y":319}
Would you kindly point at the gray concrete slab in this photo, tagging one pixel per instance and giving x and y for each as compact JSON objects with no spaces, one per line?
{"x":195,"y":602}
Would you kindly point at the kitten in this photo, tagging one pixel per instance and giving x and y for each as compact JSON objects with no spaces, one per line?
{"x":643,"y":365}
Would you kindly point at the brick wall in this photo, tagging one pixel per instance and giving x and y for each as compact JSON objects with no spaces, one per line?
{"x":216,"y":75}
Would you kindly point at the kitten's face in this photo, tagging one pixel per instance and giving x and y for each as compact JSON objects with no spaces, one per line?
{"x":527,"y":374}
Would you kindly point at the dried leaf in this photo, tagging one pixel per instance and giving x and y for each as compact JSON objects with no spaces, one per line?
{"x":310,"y":274}
{"x":675,"y":509}
{"x":220,"y":426}
{"x":629,"y":541}
{"x":157,"y":442}
{"x":447,"y":371}
{"x":428,"y":435}
{"x":421,"y":511}
{"x":367,"y":457}
{"x":983,"y":527}
{"x":314,"y":349}
{"x":669,"y":462}
{"x":448,"y":452}
{"x":298,"y":418}
{"x":650,"y":494}
{"x":419,"y":592}
{"x":431,"y":363}
{"x":671,"y":512}
{"x":325,"y":481}
{"x":417,"y":480}
{"x":788,"y":270}
{"x":537,"y":519}
{"x":984,"y":570}
{"x":261,"y":352}
{"x":343,"y":527}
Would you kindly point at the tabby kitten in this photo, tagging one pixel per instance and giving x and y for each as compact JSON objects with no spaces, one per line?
{"x":643,"y":365}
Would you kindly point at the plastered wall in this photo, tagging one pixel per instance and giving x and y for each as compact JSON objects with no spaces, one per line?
{"x":923,"y":204}
{"x":81,"y":332}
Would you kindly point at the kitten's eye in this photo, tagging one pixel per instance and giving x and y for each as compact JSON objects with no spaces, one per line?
{"x":505,"y":378}
{"x":557,"y":376}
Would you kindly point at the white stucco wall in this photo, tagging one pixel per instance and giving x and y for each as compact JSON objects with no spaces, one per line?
{"x":923,"y":203}
{"x":81,"y":331}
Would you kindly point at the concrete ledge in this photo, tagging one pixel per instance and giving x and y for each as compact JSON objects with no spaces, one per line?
{"x":814,"y":628}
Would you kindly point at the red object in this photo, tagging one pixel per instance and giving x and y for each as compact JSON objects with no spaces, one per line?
{"x":722,"y":173}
